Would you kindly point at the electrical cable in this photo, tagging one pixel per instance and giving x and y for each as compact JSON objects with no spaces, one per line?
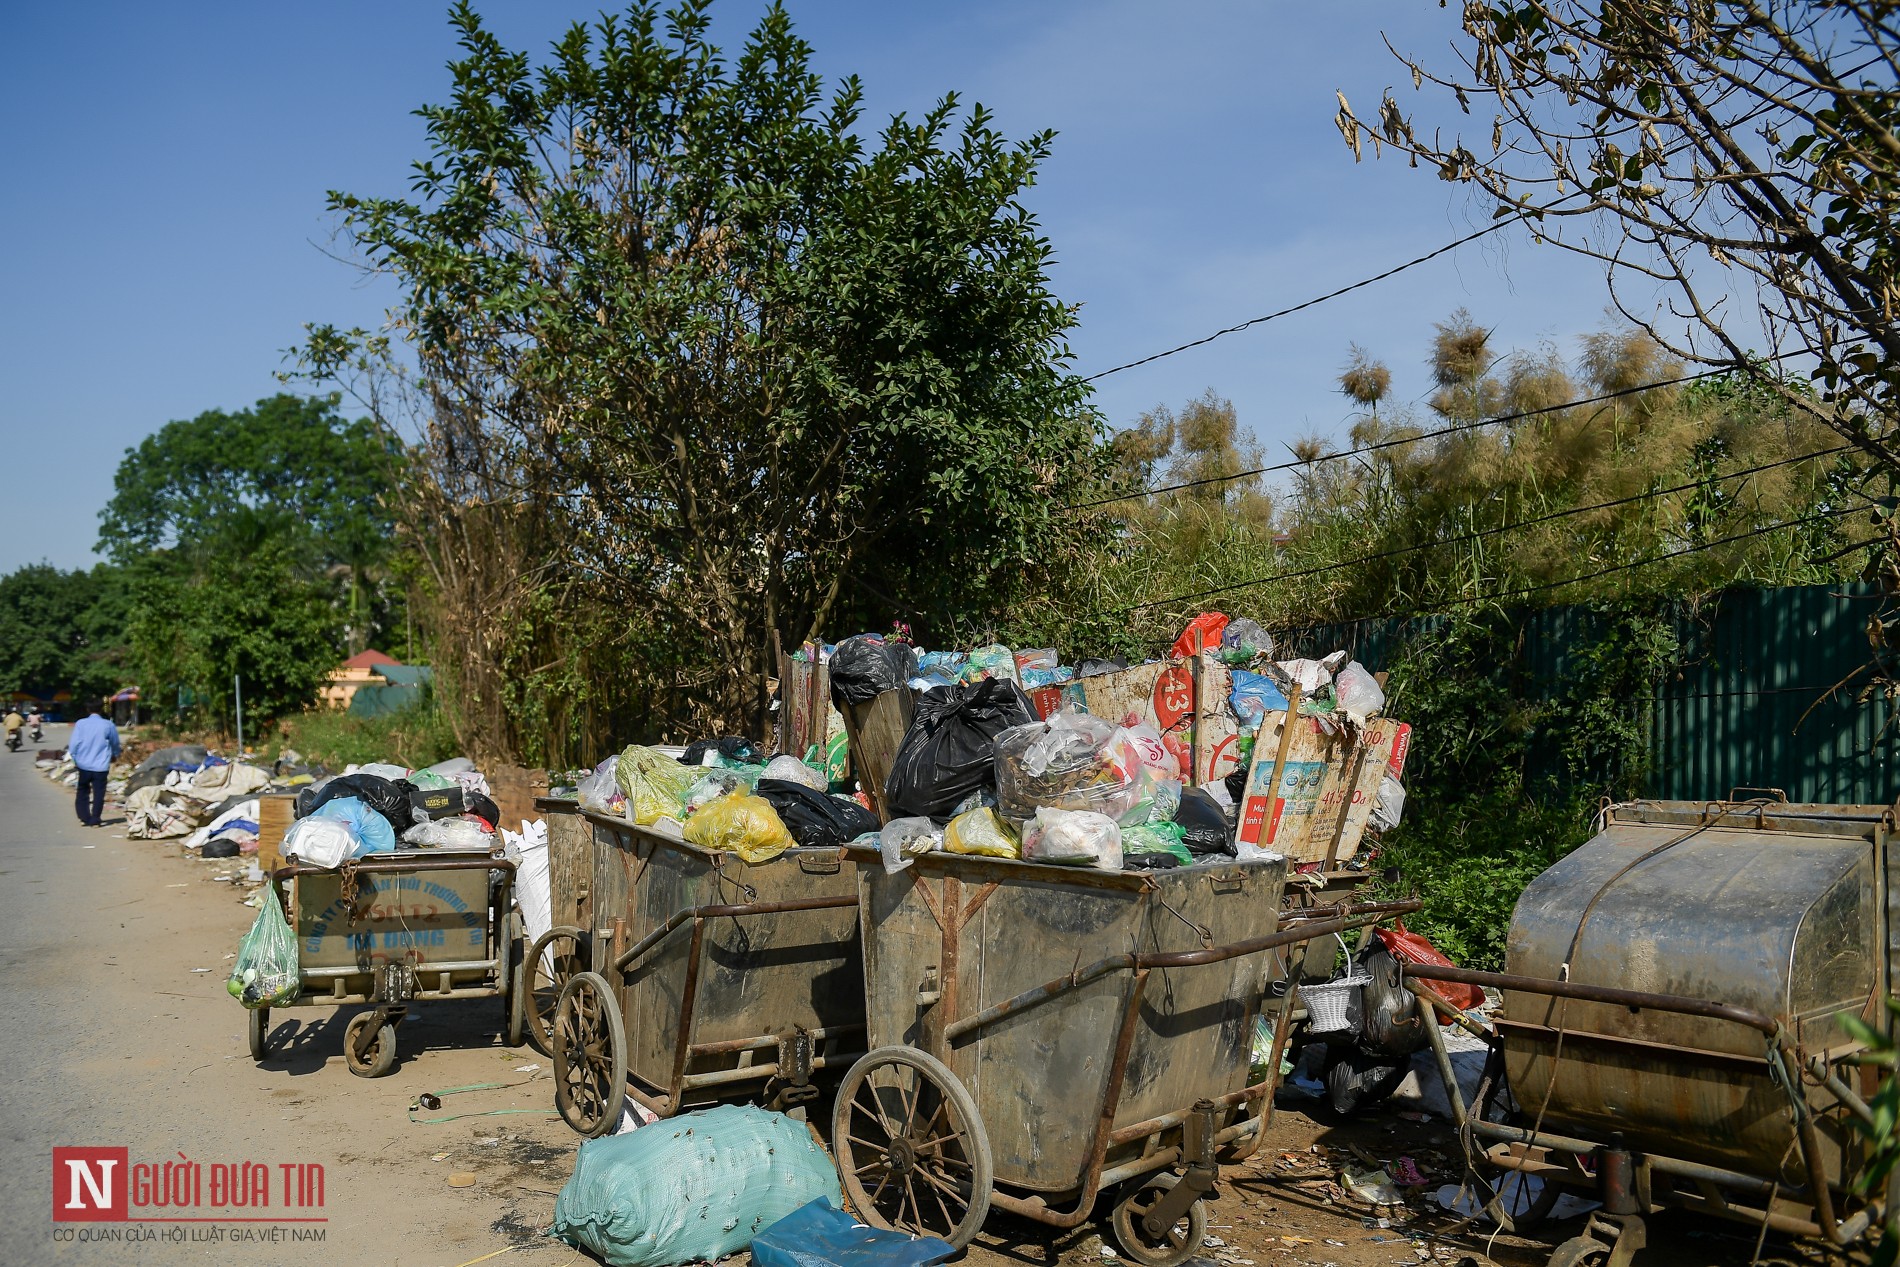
{"x":1319,"y":299}
{"x":1489,"y":532}
{"x":1454,"y":429}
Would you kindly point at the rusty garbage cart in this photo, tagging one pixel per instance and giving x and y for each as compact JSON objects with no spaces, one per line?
{"x":567,"y":947}
{"x":711,"y":977}
{"x":395,"y":929}
{"x":1671,"y":1035}
{"x":1042,"y":1036}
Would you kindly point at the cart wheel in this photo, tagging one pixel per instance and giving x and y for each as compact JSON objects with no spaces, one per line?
{"x":1176,"y":1244}
{"x":1508,"y":1197}
{"x":911,"y":1147}
{"x":1579,"y":1251}
{"x":258,"y":1031}
{"x":590,"y":1056}
{"x":557,"y":956}
{"x":513,"y":1021}
{"x":378,"y":1054}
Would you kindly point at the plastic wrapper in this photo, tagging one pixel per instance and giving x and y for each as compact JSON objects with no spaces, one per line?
{"x":266,"y":973}
{"x":743,"y":824}
{"x":1153,"y":752}
{"x":790,"y":769}
{"x":980,"y":832}
{"x":655,"y":785}
{"x":1357,"y":692}
{"x":903,"y":839}
{"x":1390,"y":807}
{"x":1036,"y":679}
{"x":1073,"y":761}
{"x":695,"y":1188}
{"x":461,"y":832}
{"x":1073,"y":838}
{"x":599,"y":790}
{"x":1154,"y":838}
{"x":1095,"y":668}
{"x":1243,"y":641}
{"x":1037,"y":658}
{"x":949,"y":751}
{"x":992,"y":661}
{"x":1310,"y":674}
{"x":1254,"y":696}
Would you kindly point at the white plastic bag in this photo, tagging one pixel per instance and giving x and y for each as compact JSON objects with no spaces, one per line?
{"x":1390,"y":807}
{"x":460,"y":832}
{"x":904,"y":838}
{"x":1357,"y":692}
{"x":598,"y":790}
{"x":321,"y":842}
{"x":1073,"y":838}
{"x":792,"y":770}
{"x":534,"y":897}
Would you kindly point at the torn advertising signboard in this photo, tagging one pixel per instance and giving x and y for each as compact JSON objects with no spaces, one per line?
{"x":1313,"y":804}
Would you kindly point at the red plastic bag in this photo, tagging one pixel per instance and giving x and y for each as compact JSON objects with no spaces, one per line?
{"x":1412,"y":947}
{"x":1202,"y":633}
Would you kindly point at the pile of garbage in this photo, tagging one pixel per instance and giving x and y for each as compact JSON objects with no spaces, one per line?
{"x":189,"y":790}
{"x":383,"y":807}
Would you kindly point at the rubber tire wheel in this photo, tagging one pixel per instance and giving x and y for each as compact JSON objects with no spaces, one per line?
{"x":538,"y":1027}
{"x":1579,"y":1251}
{"x":257,"y":1030}
{"x":590,"y":991}
{"x":1348,"y":1091}
{"x":856,"y":1156}
{"x":1134,"y":1201}
{"x":380,"y":1058}
{"x":515,"y":1033}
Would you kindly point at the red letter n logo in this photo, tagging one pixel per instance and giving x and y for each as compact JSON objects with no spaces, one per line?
{"x":89,"y":1184}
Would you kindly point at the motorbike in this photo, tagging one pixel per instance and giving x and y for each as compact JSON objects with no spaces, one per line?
{"x":13,"y":740}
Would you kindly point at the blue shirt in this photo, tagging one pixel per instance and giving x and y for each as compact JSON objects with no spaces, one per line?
{"x":94,"y":743}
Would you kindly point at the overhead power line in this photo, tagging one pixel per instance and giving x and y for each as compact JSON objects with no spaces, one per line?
{"x":1453,"y":429}
{"x":1398,"y":551}
{"x":1313,"y":302}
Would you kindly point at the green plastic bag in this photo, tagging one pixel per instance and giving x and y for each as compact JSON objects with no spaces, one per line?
{"x":265,"y":974}
{"x":1159,"y":837}
{"x":655,"y":784}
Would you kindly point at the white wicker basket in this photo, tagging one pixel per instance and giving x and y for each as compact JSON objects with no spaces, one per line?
{"x":1338,"y":1004}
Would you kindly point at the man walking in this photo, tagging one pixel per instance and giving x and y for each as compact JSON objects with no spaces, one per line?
{"x":93,"y":746}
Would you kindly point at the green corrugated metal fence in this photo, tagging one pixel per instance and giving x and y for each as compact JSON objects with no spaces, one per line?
{"x":1730,"y":714}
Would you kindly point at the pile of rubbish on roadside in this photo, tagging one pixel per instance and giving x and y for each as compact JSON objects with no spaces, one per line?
{"x":383,"y":808}
{"x":189,"y":790}
{"x":1005,"y":758}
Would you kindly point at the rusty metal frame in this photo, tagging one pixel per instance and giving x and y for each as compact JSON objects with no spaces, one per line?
{"x":665,"y":1101}
{"x":942,"y":1032}
{"x":1708,"y":1179}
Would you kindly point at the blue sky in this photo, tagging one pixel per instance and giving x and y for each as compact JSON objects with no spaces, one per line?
{"x":167,"y":167}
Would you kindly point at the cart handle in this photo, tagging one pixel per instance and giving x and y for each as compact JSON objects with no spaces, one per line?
{"x":1301,"y":930}
{"x":366,"y":864}
{"x":693,"y":914}
{"x":1635,"y":1000}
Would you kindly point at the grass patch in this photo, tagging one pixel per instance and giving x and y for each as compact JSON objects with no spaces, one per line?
{"x":415,"y":737}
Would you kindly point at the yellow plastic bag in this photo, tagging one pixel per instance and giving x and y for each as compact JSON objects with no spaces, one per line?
{"x":980,"y":831}
{"x":655,"y":785}
{"x":742,"y":823}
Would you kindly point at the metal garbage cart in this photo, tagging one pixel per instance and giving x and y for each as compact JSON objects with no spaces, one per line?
{"x":395,"y":929}
{"x":1042,"y":1035}
{"x":1671,"y":1033}
{"x":713,"y":977}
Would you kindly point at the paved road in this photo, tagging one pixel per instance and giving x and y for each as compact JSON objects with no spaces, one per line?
{"x":109,"y":1038}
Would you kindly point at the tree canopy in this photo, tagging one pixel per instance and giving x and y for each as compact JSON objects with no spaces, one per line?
{"x":699,"y":356}
{"x":63,"y":631}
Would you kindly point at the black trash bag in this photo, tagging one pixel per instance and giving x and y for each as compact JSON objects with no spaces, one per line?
{"x":731,"y":747}
{"x":1389,"y":1024}
{"x":949,"y":751}
{"x":1236,"y":783}
{"x":484,"y":808}
{"x":178,"y":754}
{"x":1150,"y":861}
{"x":1095,"y":668}
{"x":1203,"y":824}
{"x":864,"y":667}
{"x":221,"y":848}
{"x":814,"y":818}
{"x":388,"y":797}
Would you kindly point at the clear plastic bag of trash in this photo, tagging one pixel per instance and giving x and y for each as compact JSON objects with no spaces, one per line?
{"x":903,"y":839}
{"x":598,"y":790}
{"x":266,"y":973}
{"x":1153,"y":751}
{"x":321,"y":842}
{"x":718,"y":781}
{"x":1073,"y":838}
{"x":460,"y":832}
{"x":1357,"y":692}
{"x":694,"y":1188}
{"x":1073,"y":761}
{"x":980,"y":831}
{"x":1243,"y":641}
{"x":654,"y":783}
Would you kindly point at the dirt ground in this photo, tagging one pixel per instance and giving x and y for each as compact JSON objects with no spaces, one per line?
{"x":118,"y":1032}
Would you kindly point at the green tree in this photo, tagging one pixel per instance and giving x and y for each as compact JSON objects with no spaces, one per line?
{"x":701,"y":358}
{"x":63,"y":630}
{"x":290,"y":469}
